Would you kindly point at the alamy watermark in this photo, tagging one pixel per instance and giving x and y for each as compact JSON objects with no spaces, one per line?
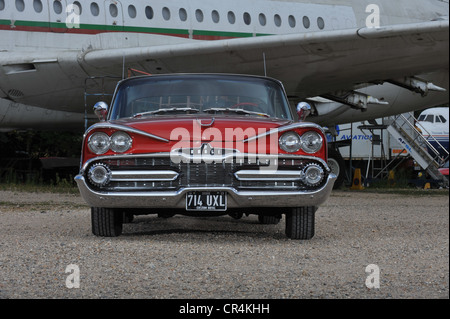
{"x":211,"y":144}
{"x":73,"y":16}
{"x":373,"y":19}
{"x":73,"y":279}
{"x":373,"y":277}
{"x":74,"y":13}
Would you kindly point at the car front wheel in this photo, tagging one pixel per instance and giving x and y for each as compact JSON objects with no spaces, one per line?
{"x":300,"y":222}
{"x":106,"y":222}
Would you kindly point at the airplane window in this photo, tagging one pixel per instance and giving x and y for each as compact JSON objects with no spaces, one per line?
{"x":95,"y":9}
{"x":37,"y":5}
{"x":429,"y":118}
{"x":183,"y":14}
{"x":262,"y":19}
{"x":132,"y":11}
{"x":77,"y":9}
{"x":57,"y":7}
{"x":277,"y":20}
{"x":247,"y":18}
{"x":320,"y":23}
{"x":166,"y":13}
{"x":421,"y":117}
{"x":113,"y":11}
{"x":2,"y":5}
{"x":443,"y":120}
{"x":292,"y":21}
{"x":231,"y":17}
{"x":215,"y":16}
{"x":306,"y":22}
{"x":199,"y":15}
{"x":149,"y":12}
{"x":437,"y":119}
{"x":20,"y":6}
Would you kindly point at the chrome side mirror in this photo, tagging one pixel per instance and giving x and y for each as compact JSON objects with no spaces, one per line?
{"x":101,"y":110}
{"x":303,"y":111}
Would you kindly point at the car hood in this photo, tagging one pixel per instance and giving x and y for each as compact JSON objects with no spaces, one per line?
{"x":203,"y":127}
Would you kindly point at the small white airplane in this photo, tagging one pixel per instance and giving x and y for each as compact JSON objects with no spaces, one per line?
{"x":351,"y":60}
{"x":434,"y":124}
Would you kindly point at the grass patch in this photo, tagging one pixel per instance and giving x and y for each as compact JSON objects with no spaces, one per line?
{"x":43,"y":206}
{"x":61,"y":188}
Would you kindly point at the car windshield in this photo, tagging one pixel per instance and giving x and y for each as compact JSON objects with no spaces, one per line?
{"x":207,"y":94}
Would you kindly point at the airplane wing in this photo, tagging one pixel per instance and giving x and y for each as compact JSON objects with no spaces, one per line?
{"x":309,"y":64}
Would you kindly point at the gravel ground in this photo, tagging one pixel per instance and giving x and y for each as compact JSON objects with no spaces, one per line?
{"x":406,"y":237}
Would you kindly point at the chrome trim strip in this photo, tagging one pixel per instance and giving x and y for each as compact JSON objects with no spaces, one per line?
{"x":144,"y":176}
{"x":126,"y":129}
{"x":273,"y":175}
{"x":272,"y":131}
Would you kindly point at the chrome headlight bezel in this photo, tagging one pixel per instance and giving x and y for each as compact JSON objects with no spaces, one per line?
{"x":99,"y":174}
{"x":99,"y":143}
{"x":311,"y":142}
{"x":120,"y":142}
{"x":290,"y":142}
{"x":313,"y":174}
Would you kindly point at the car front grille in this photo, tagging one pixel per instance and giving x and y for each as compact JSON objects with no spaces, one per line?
{"x":162,"y":173}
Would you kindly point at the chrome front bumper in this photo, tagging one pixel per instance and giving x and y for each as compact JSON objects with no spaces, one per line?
{"x":177,"y":199}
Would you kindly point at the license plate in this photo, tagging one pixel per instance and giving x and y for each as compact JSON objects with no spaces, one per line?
{"x":208,"y":201}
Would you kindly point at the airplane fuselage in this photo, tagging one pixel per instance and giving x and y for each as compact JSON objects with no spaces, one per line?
{"x":53,"y":37}
{"x":204,"y":20}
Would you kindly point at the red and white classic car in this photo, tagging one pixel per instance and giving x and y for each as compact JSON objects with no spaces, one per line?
{"x":203,"y":145}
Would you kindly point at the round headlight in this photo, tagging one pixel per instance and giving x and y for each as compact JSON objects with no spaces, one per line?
{"x":120,"y":142}
{"x":99,"y":143}
{"x":99,"y":174}
{"x":311,"y":142}
{"x":290,"y":142}
{"x":313,"y":174}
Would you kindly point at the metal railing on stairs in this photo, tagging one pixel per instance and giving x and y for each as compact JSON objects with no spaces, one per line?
{"x":419,"y":146}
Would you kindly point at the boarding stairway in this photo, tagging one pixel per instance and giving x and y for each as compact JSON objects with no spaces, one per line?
{"x":402,"y":128}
